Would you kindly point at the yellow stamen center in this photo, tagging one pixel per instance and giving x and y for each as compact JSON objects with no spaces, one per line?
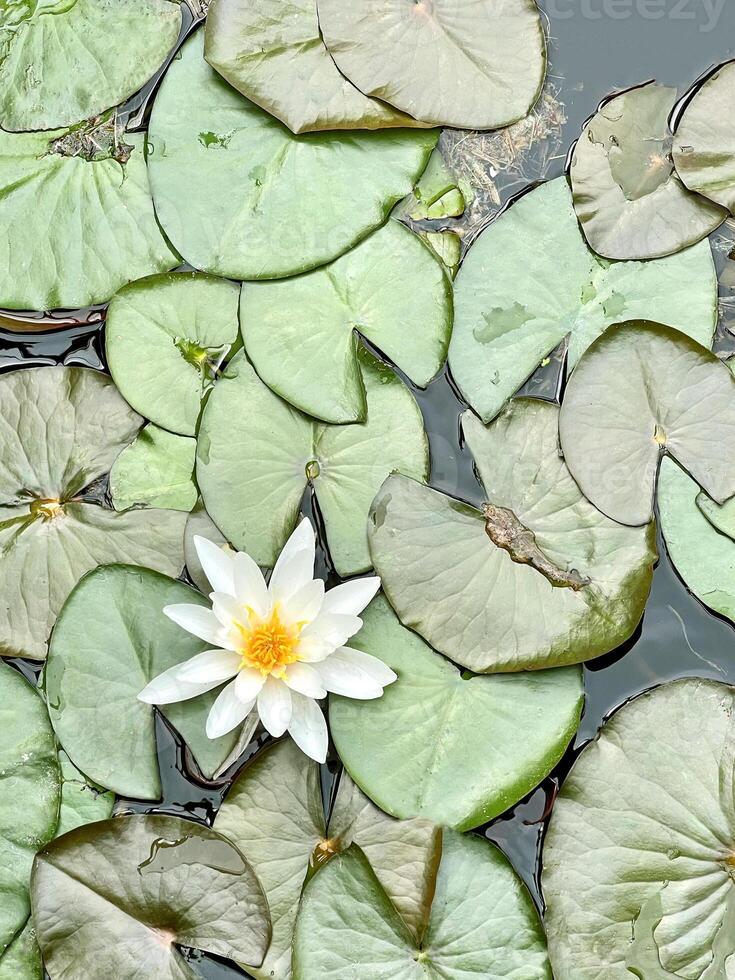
{"x":269,"y":645}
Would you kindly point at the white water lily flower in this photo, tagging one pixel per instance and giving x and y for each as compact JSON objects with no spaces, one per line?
{"x":281,"y":646}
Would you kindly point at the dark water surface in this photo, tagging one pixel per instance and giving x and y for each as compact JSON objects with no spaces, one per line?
{"x":596,"y":46}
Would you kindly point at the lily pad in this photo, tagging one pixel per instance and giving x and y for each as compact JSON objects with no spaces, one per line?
{"x":110,"y":640}
{"x":60,"y":431}
{"x":274,"y":815}
{"x":536,"y":578}
{"x":78,"y":217}
{"x":469,"y":66}
{"x":530,"y":280}
{"x":240,"y":196}
{"x":301,"y":334}
{"x":252,"y":440}
{"x":166,"y":338}
{"x":116,"y":899}
{"x":62,"y":61}
{"x":720,"y":516}
{"x":200,"y":523}
{"x":702,"y":555}
{"x":442,"y":745}
{"x":155,"y":471}
{"x":437,"y":194}
{"x":274,"y":54}
{"x":704,"y":144}
{"x":638,"y":857}
{"x":482,"y":922}
{"x":642,"y":390}
{"x":30,"y":793}
{"x":82,"y":801}
{"x":627,"y":195}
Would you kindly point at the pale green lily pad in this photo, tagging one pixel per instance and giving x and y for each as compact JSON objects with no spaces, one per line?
{"x":702,"y":555}
{"x":443,"y":746}
{"x":82,"y":801}
{"x":274,"y":815}
{"x":157,"y":470}
{"x":200,"y":523}
{"x":629,"y":200}
{"x":642,"y":390}
{"x":62,"y":61}
{"x":638,"y":856}
{"x":720,"y":516}
{"x":22,"y":960}
{"x":469,"y":66}
{"x":704,"y":143}
{"x":437,"y":194}
{"x":301,"y":333}
{"x":110,"y":640}
{"x":447,"y":245}
{"x":274,"y":54}
{"x":60,"y":431}
{"x":537,"y":578}
{"x":252,"y":440}
{"x":118,"y":898}
{"x":75,"y":229}
{"x":30,"y":794}
{"x":240,"y":196}
{"x":166,"y":338}
{"x":530,"y":280}
{"x":482,"y":923}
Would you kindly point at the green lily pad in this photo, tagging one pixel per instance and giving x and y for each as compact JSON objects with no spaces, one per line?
{"x":239,"y":195}
{"x":78,"y":217}
{"x":253,"y":441}
{"x":110,"y":640}
{"x":166,"y":338}
{"x":642,"y":390}
{"x":116,"y":898}
{"x":437,"y":194}
{"x":274,"y":815}
{"x":22,"y":960}
{"x":443,"y":746}
{"x":482,"y":922}
{"x":720,"y":516}
{"x":82,"y":801}
{"x":200,"y":523}
{"x":447,"y":245}
{"x":629,"y":200}
{"x":274,"y":54}
{"x":60,"y":431}
{"x":300,"y":333}
{"x":30,"y":793}
{"x":469,"y":66}
{"x":62,"y":61}
{"x":639,"y":854}
{"x":704,"y":144}
{"x":536,"y":578}
{"x":530,"y":280}
{"x":155,"y":471}
{"x":702,"y":555}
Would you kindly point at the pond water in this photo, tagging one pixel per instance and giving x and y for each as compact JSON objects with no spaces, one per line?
{"x":596,"y":46}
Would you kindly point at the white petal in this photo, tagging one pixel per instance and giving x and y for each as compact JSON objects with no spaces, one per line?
{"x":304,"y":605}
{"x":216,"y":563}
{"x":228,"y":711}
{"x":305,"y":680}
{"x":308,"y":728}
{"x":248,"y":684}
{"x":169,"y":687}
{"x":380,"y":672}
{"x":351,"y":598}
{"x":333,"y":628}
{"x":354,"y":675}
{"x":311,"y":649}
{"x":295,"y":565}
{"x":274,"y":706}
{"x":212,"y":665}
{"x":227,"y":609}
{"x":197,"y":620}
{"x":250,"y":587}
